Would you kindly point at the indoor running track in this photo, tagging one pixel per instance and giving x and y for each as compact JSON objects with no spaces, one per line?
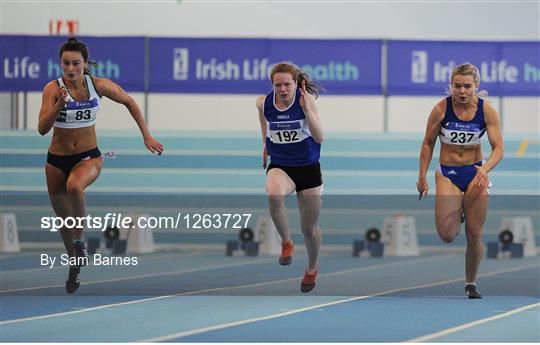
{"x":207,"y":297}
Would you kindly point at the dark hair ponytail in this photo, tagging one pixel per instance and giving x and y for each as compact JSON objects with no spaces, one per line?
{"x":74,"y":45}
{"x":311,"y":86}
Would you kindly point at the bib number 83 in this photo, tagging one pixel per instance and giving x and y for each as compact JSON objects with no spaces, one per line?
{"x":83,"y":115}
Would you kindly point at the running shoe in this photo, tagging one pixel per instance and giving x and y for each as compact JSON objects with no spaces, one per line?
{"x":472,"y":292}
{"x":287,"y":251}
{"x":80,"y":253}
{"x":308,"y":283}
{"x":72,"y":282}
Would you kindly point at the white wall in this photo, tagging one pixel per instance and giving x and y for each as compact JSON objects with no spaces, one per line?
{"x":5,"y":111}
{"x":429,"y":20}
{"x":353,"y":114}
{"x":217,"y":113}
{"x":521,"y":115}
{"x":436,"y":20}
{"x":111,"y":115}
{"x":410,"y":114}
{"x":338,"y":113}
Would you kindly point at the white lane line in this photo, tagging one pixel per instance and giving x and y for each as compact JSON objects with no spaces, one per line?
{"x":533,"y":211}
{"x":257,"y":153}
{"x":252,"y":262}
{"x":330,"y":274}
{"x":217,"y":135}
{"x":140,"y":189}
{"x":227,"y":153}
{"x":243,"y":322}
{"x":235,"y":153}
{"x":150,"y":275}
{"x":212,"y":290}
{"x":256,"y":172}
{"x":41,"y":269}
{"x":248,"y":191}
{"x":300,"y":310}
{"x":259,"y":284}
{"x":56,"y":267}
{"x":470,"y":324}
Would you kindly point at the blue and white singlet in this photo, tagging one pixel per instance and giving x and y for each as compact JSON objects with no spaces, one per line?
{"x":458,"y":132}
{"x":288,"y":139}
{"x":77,"y":114}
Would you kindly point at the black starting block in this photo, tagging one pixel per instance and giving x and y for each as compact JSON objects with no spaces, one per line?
{"x":251,"y":249}
{"x":373,"y":246}
{"x":113,"y":242}
{"x":373,"y":235}
{"x":516,"y":250}
{"x":376,"y":249}
{"x":246,"y":235}
{"x":492,"y":250}
{"x":506,"y":238}
{"x":111,"y":233}
{"x":358,"y":247}
{"x":93,"y":245}
{"x":232,"y":246}
{"x":120,"y":247}
{"x":246,"y":244}
{"x":506,"y":246}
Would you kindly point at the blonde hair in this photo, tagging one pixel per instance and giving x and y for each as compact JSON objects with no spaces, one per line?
{"x":467,"y":69}
{"x":298,"y":76}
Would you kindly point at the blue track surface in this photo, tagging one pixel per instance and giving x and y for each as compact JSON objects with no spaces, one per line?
{"x":196,"y":295}
{"x":205,"y":297}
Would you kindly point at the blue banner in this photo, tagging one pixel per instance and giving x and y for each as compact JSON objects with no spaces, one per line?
{"x":424,"y":68}
{"x":30,"y":62}
{"x":242,"y":66}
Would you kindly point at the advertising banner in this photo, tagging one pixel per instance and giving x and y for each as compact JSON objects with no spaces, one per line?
{"x":30,"y":62}
{"x":242,"y":66}
{"x":425,"y":68}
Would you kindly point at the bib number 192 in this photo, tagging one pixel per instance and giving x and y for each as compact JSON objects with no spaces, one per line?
{"x":287,"y":136}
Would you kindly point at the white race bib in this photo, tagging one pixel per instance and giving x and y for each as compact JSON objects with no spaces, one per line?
{"x":286,"y":132}
{"x":461,"y":134}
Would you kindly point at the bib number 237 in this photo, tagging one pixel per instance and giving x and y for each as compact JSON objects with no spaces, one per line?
{"x":461,"y":137}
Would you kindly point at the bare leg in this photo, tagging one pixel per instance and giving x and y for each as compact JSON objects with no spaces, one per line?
{"x":448,"y":202}
{"x":475,"y":204}
{"x":56,"y":185}
{"x":82,"y":175}
{"x":278,"y":186}
{"x":309,"y":204}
